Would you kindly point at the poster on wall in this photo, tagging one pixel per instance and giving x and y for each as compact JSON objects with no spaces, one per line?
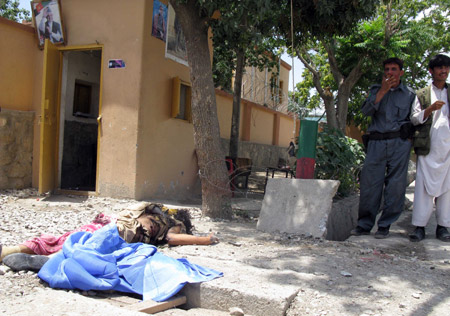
{"x":175,"y":44}
{"x":159,"y":23}
{"x":48,"y":22}
{"x":116,"y":63}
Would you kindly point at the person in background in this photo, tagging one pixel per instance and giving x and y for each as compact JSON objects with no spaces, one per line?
{"x":291,"y":155}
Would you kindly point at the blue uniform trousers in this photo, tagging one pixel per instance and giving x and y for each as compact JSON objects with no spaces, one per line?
{"x":385,"y":167}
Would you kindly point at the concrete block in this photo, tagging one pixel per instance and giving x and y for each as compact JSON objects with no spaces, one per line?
{"x":297,"y":206}
{"x":255,"y":291}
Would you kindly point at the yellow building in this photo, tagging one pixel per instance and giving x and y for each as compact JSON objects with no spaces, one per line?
{"x":100,"y":106}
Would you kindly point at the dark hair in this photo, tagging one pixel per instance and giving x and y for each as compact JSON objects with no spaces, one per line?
{"x":394,"y":60}
{"x":184,"y":216}
{"x":439,"y":60}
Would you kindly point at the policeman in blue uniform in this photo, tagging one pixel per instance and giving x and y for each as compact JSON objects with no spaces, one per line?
{"x":384,"y":173}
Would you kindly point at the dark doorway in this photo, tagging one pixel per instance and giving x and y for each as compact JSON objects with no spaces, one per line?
{"x":80,"y":93}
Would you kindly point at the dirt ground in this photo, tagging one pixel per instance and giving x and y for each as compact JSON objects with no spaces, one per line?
{"x":354,"y":277}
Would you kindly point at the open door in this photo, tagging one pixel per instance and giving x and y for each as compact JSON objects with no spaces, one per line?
{"x":48,"y":120}
{"x":79,"y":110}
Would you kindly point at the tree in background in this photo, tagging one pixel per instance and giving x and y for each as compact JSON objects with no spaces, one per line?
{"x":242,"y":36}
{"x":195,"y":16}
{"x":250,"y":33}
{"x":341,"y":68}
{"x":9,"y":9}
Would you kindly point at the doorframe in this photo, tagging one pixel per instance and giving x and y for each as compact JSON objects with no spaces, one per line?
{"x":99,"y":118}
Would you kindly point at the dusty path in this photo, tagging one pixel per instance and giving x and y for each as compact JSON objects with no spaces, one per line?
{"x":360,"y":276}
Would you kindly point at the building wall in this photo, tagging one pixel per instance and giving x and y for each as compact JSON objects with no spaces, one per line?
{"x":144,"y":153}
{"x":16,"y":146}
{"x":166,"y":158}
{"x":256,"y":87}
{"x":17,"y":72}
{"x":261,"y":123}
{"x":225,"y":112}
{"x":120,"y":29}
{"x":250,"y":128}
{"x":287,"y":130}
{"x":262,"y":155}
{"x":285,"y":69}
{"x":20,"y":93}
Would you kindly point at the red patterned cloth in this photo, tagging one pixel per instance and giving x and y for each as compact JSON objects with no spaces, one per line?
{"x":47,"y":244}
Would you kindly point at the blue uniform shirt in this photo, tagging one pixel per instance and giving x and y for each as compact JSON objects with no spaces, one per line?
{"x":392,"y":111}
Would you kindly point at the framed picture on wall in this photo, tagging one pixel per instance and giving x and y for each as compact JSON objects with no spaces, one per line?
{"x":159,"y":23}
{"x":175,"y":43}
{"x":48,"y":21}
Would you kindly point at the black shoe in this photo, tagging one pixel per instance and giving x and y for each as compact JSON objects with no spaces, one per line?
{"x":382,"y":232}
{"x":358,"y":231}
{"x":24,"y":261}
{"x":442,"y":233}
{"x":418,"y":234}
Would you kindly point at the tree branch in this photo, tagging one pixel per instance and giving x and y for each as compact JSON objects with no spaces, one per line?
{"x":354,"y":74}
{"x":315,"y":73}
{"x":338,"y":77}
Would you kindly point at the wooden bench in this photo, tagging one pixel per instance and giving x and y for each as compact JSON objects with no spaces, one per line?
{"x":242,"y":168}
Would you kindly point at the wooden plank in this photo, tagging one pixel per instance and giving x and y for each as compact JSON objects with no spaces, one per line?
{"x":119,"y":299}
{"x":151,"y":307}
{"x":124,"y":299}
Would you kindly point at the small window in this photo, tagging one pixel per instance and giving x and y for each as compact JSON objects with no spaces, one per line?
{"x":82,"y":99}
{"x":274,"y":88}
{"x":181,"y":100}
{"x":280,"y":91}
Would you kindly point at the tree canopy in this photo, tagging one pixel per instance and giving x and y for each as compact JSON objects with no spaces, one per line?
{"x":342,"y":67}
{"x":245,"y":26}
{"x":10,"y":9}
{"x":250,"y":33}
{"x":195,"y":16}
{"x":242,"y":36}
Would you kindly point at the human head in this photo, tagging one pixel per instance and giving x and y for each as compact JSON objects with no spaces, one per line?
{"x":394,"y":60}
{"x":49,"y":14}
{"x":393,"y":68}
{"x":439,"y":60}
{"x":439,"y":67}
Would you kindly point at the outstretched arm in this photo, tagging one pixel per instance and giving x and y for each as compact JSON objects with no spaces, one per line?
{"x":174,"y":238}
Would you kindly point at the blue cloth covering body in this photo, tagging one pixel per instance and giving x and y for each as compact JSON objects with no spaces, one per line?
{"x":104,"y":261}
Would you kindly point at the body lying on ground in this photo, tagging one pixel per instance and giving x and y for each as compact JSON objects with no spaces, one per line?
{"x":147,"y":223}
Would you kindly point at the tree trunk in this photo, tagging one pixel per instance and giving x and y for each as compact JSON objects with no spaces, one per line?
{"x":216,"y":195}
{"x":342,"y":106}
{"x":235,"y":118}
{"x":330,"y":110}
